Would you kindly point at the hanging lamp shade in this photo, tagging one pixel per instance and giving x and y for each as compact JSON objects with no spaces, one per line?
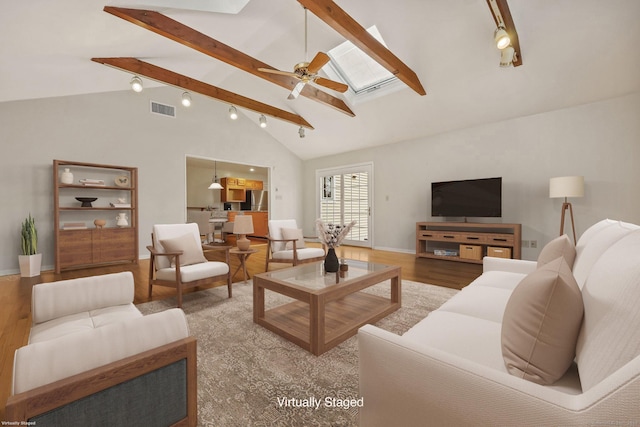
{"x":215,"y":185}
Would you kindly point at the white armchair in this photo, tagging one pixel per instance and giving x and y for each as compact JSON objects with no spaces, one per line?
{"x":178,"y":261}
{"x":286,"y":244}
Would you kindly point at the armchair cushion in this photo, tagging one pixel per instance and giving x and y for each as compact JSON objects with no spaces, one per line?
{"x":191,"y":249}
{"x":541,"y":323}
{"x":303,"y":254}
{"x":275,"y":232}
{"x":293,"y":233}
{"x":193,"y":272}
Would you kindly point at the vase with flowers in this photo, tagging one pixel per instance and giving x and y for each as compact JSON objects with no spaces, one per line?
{"x":332,"y":235}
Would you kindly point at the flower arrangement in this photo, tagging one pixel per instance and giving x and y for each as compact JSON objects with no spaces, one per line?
{"x":332,"y":235}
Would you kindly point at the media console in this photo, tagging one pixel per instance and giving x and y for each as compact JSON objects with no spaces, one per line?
{"x":467,"y":241}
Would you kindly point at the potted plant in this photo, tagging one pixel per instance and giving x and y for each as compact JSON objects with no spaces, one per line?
{"x":30,"y":260}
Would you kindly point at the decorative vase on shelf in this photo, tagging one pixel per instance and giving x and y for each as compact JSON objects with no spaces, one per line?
{"x":331,"y":264}
{"x":122,"y":220}
{"x":66,"y":177}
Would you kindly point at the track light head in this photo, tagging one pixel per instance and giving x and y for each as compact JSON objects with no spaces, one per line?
{"x":136,"y":84}
{"x":233,"y":113}
{"x":502,"y":38}
{"x":507,"y":56}
{"x":263,"y":121}
{"x":301,"y":132}
{"x":186,"y":99}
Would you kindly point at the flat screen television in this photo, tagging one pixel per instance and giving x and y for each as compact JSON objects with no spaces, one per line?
{"x":467,"y":198}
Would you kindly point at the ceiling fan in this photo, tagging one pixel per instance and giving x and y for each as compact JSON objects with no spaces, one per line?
{"x":306,"y":72}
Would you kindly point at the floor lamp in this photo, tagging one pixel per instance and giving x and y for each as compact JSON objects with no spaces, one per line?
{"x":567,"y":186}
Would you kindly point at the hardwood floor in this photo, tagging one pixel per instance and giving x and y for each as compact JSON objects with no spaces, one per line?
{"x":15,"y":292}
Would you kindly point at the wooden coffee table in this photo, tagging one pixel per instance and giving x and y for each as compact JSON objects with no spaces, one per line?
{"x":328,"y":307}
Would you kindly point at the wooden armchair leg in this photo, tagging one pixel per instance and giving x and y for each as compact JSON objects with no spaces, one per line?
{"x":229,"y":282}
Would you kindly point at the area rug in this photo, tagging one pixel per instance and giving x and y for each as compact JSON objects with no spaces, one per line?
{"x":249,"y":376}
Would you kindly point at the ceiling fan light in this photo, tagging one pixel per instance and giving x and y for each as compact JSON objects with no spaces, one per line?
{"x":136,"y":84}
{"x":186,"y":99}
{"x":501,"y":38}
{"x":263,"y":121}
{"x":507,"y":56}
{"x":233,"y":113}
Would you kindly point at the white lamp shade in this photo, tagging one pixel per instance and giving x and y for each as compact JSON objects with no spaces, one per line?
{"x":243,"y":224}
{"x":215,"y":186}
{"x":566,"y":186}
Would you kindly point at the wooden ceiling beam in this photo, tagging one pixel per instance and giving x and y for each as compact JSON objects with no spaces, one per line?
{"x":176,"y":31}
{"x":509,"y":26}
{"x":163,"y":75}
{"x":344,"y":24}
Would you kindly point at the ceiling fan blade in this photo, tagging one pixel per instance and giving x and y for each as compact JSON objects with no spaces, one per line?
{"x":318,"y":62}
{"x":331,"y":84}
{"x":296,"y":90}
{"x":282,"y":73}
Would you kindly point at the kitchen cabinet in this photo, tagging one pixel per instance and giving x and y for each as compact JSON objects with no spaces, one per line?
{"x":254,"y":185}
{"x":232,"y":191}
{"x":77,"y":243}
{"x":260,"y":221}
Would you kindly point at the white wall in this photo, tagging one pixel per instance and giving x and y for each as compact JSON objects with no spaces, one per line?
{"x":600,"y":141}
{"x":117,"y":128}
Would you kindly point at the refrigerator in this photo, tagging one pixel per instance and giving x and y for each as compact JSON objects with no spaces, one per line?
{"x":256,"y":200}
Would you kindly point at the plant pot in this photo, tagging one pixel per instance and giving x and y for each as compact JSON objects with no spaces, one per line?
{"x":30,"y":265}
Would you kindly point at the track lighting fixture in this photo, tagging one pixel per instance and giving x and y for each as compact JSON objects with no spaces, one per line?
{"x":136,"y":84}
{"x":502,"y":38}
{"x":301,"y":132}
{"x":263,"y":121}
{"x":507,"y":56}
{"x":233,"y":113}
{"x":186,"y":99}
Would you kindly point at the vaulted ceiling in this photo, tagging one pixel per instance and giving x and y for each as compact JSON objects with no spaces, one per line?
{"x":574,"y":52}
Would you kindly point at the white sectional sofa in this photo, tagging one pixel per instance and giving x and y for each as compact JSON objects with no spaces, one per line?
{"x":93,"y":358}
{"x":450,"y":369}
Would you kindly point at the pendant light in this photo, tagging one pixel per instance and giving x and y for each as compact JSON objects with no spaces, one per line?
{"x":215,"y":185}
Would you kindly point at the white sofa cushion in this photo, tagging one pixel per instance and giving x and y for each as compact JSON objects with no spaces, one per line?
{"x":541,"y":324}
{"x":83,"y":321}
{"x":596,"y":243}
{"x":610,"y":334}
{"x":464,"y":336}
{"x":52,"y":360}
{"x":559,"y":247}
{"x":500,"y":279}
{"x":483,"y":302}
{"x":66,"y":297}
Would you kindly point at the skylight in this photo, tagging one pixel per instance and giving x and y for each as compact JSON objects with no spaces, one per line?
{"x":357,"y":69}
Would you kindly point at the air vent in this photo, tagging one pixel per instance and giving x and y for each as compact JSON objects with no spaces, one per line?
{"x":163,"y":109}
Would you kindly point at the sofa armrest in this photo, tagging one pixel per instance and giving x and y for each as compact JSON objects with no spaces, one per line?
{"x":405,"y":383}
{"x":509,"y":265}
{"x":57,"y":299}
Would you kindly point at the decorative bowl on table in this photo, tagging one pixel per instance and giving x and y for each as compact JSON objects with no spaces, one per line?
{"x":86,"y":201}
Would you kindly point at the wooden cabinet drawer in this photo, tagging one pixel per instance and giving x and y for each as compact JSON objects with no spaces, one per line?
{"x":500,"y":239}
{"x":115,"y":244}
{"x":498,"y":252}
{"x":76,"y":247}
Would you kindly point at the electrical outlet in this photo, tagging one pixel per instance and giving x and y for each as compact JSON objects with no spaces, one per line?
{"x":534,"y":243}
{"x":525,"y":243}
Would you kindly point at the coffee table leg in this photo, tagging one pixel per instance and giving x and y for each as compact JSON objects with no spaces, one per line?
{"x":396,"y":294}
{"x":258,"y":301}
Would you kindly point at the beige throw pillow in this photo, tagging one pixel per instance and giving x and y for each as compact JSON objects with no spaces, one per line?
{"x":293,"y":233}
{"x":191,"y":249}
{"x":541,"y":323}
{"x":559,"y":247}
